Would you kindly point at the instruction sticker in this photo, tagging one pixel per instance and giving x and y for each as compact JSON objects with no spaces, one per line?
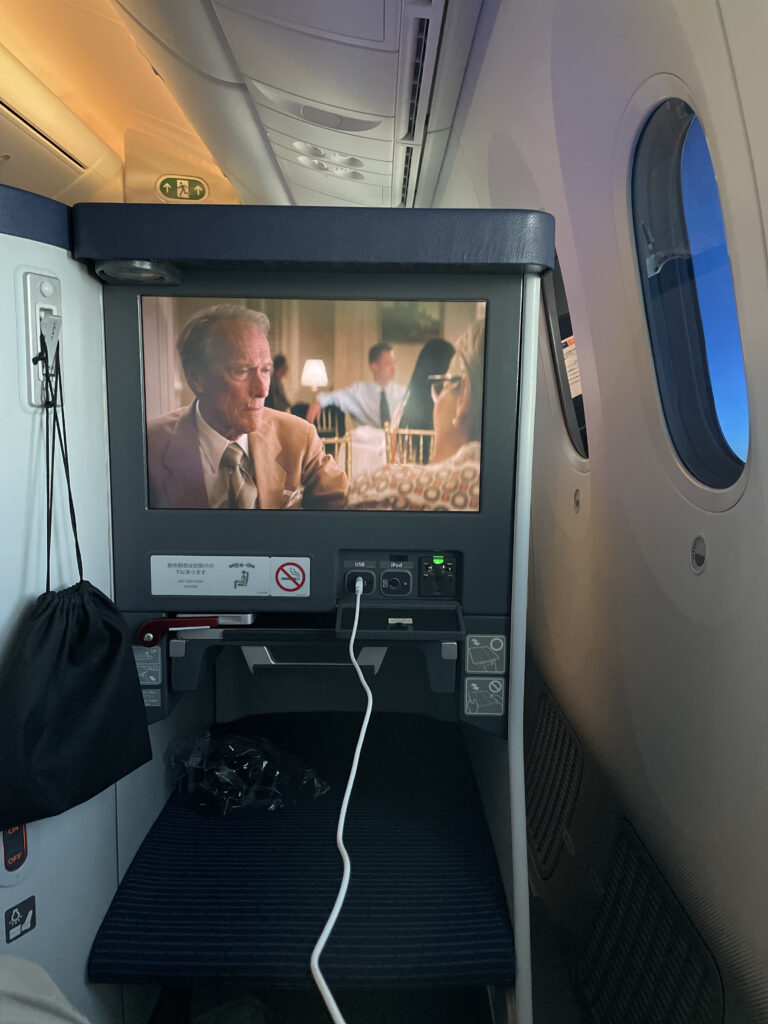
{"x":229,"y":575}
{"x":486,"y":654}
{"x":483,"y":696}
{"x":148,"y":665}
{"x":20,"y":919}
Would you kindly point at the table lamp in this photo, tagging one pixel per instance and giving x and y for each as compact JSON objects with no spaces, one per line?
{"x":313,"y":375}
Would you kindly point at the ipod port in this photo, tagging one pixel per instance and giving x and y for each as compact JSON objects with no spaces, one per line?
{"x":396,"y":583}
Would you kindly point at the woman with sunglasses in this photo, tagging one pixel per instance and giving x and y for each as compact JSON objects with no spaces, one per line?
{"x":451,"y":481}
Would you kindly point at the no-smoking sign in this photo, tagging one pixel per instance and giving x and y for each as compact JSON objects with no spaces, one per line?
{"x":290,"y":577}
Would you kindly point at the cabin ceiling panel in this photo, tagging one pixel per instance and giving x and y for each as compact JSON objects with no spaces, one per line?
{"x":326,"y":116}
{"x":302,"y":136}
{"x":340,"y":81}
{"x":31,"y":164}
{"x":288,"y":146}
{"x":321,"y":70}
{"x":81,"y":53}
{"x":145,"y":152}
{"x":329,"y":78}
{"x":359,"y":191}
{"x":188,"y":29}
{"x":340,"y":171}
{"x":375,"y":23}
{"x":309,"y":197}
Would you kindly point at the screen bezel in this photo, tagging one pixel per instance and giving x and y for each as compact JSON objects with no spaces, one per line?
{"x":140,"y":531}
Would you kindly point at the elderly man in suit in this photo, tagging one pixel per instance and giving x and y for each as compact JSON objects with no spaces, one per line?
{"x":225,"y":449}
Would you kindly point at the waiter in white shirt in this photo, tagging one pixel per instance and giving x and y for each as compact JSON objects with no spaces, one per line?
{"x":369,"y":402}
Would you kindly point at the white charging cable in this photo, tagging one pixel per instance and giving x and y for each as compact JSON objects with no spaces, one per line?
{"x":314,"y":962}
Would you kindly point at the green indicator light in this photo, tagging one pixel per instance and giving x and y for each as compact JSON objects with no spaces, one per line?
{"x":438,"y":559}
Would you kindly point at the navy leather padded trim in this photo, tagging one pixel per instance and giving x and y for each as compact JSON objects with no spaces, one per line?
{"x":314,"y":235}
{"x":28,"y":215}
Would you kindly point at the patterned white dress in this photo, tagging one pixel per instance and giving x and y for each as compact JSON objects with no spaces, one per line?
{"x":452,"y":485}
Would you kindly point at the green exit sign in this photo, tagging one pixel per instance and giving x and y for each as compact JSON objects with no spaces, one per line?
{"x":181,"y":189}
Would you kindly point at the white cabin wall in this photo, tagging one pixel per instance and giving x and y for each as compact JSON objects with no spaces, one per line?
{"x":659,"y":670}
{"x":73,"y":857}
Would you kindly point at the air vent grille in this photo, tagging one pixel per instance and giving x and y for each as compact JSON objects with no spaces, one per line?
{"x":41,"y":135}
{"x":552,"y":777}
{"x":406,"y":175}
{"x":417,"y":74}
{"x":644,"y":962}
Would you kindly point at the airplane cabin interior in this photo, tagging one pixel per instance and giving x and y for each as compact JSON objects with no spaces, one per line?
{"x":384,"y":512}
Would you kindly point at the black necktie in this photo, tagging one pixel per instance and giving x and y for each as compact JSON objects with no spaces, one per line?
{"x":384,"y":408}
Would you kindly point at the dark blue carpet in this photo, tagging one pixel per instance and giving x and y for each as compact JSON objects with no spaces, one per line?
{"x":246,"y":897}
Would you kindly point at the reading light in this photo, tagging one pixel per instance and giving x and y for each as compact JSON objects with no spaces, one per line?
{"x":137,"y":272}
{"x":313,"y":375}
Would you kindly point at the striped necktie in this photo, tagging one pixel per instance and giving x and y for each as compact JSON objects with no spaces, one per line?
{"x":242,"y":489}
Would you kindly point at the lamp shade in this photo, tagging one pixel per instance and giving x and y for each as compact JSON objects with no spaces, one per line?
{"x":313,"y":375}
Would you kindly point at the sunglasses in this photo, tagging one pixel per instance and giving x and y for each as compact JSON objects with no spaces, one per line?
{"x":438,"y":381}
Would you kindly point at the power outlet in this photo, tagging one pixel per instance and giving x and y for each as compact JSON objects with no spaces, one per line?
{"x":437,"y":576}
{"x":42,"y":314}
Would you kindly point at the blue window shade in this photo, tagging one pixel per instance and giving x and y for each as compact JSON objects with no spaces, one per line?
{"x":714,"y":286}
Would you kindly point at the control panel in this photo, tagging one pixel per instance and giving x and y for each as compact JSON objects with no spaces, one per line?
{"x":402,"y":574}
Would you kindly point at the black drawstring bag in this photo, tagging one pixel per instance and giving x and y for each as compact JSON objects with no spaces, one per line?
{"x":72,"y":719}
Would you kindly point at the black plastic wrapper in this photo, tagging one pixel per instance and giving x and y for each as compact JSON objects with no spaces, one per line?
{"x":227,"y":774}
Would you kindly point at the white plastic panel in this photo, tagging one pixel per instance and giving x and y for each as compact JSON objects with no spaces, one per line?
{"x":325,"y":166}
{"x":151,"y":155}
{"x":355,"y":145}
{"x":330,"y":185}
{"x":74,"y":859}
{"x":665,"y":679}
{"x":31,"y":163}
{"x":223,"y":116}
{"x":188,"y":30}
{"x":323,"y":71}
{"x":44,"y":147}
{"x":297,"y":147}
{"x":457,"y":35}
{"x":308,"y":197}
{"x":374,"y":23}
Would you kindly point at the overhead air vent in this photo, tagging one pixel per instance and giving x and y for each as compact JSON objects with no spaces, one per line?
{"x":417,"y":75}
{"x":406,"y":175}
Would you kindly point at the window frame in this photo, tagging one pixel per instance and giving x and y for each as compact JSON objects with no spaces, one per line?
{"x":667,"y":276}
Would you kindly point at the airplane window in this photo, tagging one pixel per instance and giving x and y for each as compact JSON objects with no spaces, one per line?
{"x":717,"y":303}
{"x":563,"y":347}
{"x":688,"y":293}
